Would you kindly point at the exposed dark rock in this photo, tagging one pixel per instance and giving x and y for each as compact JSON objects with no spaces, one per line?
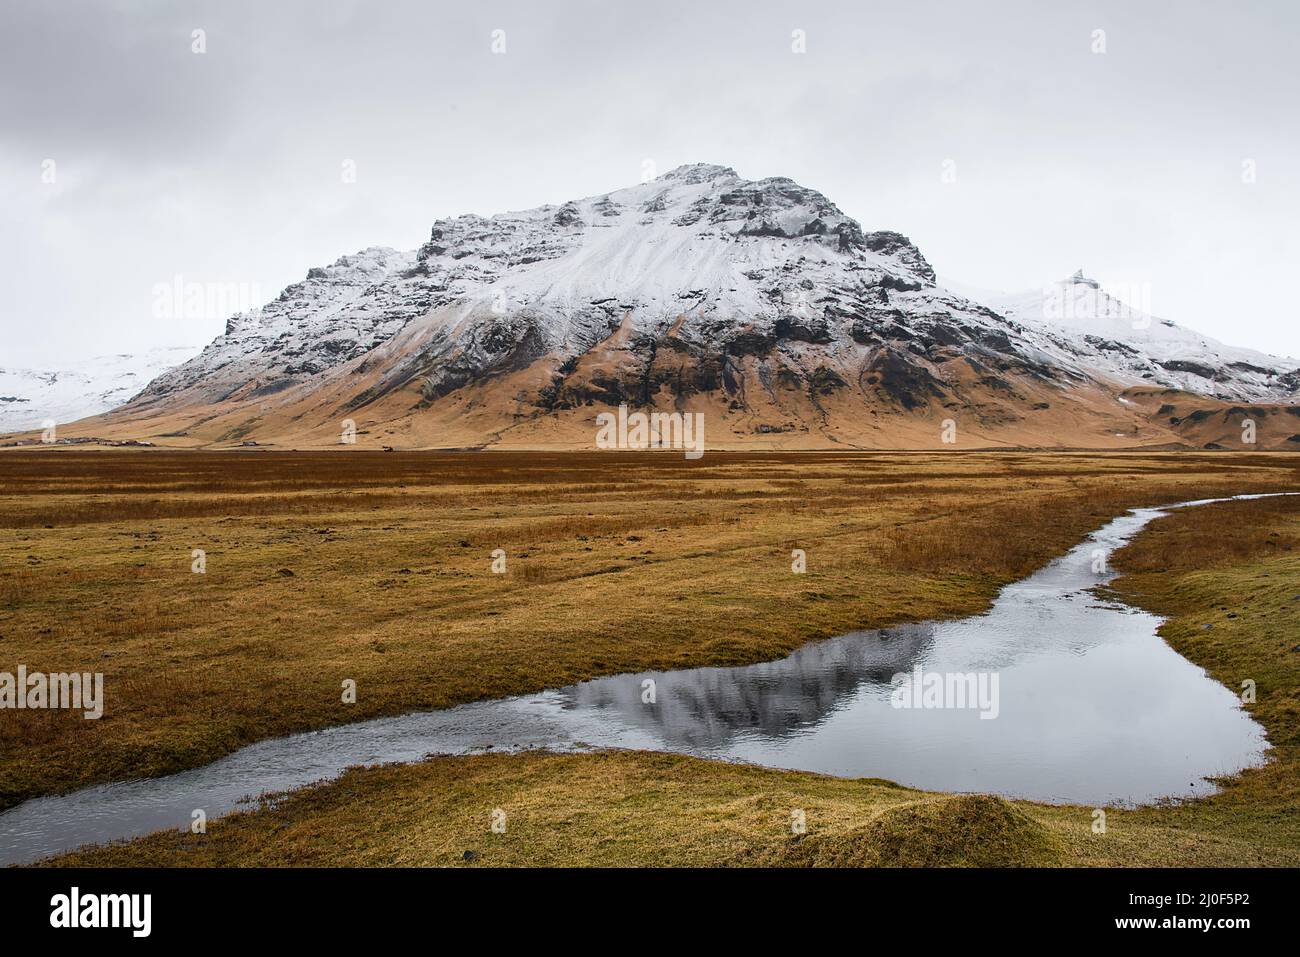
{"x":1247,"y":367}
{"x":503,"y":345}
{"x":942,"y":334}
{"x":1189,"y":365}
{"x":850,"y":236}
{"x":824,"y":381}
{"x":606,"y":207}
{"x":568,"y":215}
{"x":896,"y":244}
{"x":1239,"y":410}
{"x":902,"y":380}
{"x":898,"y":284}
{"x":1110,"y":345}
{"x":802,"y":330}
{"x":656,"y":203}
{"x":751,"y":342}
{"x":993,"y":339}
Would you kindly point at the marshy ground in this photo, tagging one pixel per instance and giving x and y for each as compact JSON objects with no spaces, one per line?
{"x":377,"y":568}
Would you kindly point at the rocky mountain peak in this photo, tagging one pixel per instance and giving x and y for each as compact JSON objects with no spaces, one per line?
{"x":760,"y":298}
{"x":694,"y":173}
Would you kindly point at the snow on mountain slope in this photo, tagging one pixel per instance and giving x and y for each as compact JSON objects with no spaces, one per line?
{"x":759,"y":302}
{"x":337,"y":312}
{"x":1119,"y":340}
{"x":721,"y":265}
{"x":30,"y":397}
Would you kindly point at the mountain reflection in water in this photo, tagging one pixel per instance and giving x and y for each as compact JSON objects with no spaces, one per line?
{"x":1093,"y":708}
{"x":706,"y":708}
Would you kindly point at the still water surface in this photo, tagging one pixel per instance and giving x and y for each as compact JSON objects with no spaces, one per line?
{"x":1092,"y":707}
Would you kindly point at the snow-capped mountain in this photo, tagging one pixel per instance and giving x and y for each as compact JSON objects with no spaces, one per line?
{"x":698,"y":243}
{"x":759,"y":303}
{"x":31,"y":397}
{"x":1116,"y":338}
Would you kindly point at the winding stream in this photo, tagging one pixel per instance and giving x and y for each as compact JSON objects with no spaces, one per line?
{"x":1091,"y":707}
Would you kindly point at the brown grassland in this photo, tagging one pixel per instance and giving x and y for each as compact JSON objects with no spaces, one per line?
{"x":376,"y":567}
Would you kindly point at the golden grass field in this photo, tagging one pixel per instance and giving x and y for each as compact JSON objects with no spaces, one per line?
{"x":376,"y":567}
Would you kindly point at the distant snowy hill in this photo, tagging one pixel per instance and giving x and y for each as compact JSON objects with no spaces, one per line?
{"x":1116,"y":338}
{"x":30,"y":397}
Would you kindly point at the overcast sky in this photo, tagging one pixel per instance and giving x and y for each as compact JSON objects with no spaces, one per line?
{"x":226,"y":166}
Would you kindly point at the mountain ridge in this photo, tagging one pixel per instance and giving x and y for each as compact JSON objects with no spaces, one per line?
{"x":756,"y":302}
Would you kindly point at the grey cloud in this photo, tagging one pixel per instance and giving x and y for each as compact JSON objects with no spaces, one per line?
{"x":226,"y":165}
